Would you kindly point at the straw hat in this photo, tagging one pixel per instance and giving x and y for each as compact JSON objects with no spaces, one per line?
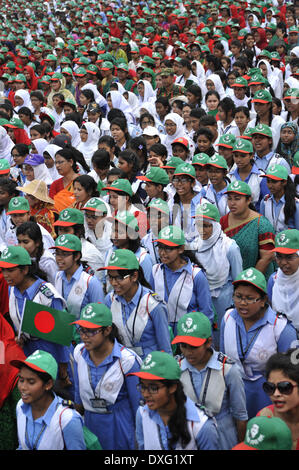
{"x":37,"y":189}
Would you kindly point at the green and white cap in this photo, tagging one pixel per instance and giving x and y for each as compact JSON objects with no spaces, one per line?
{"x":193,"y":328}
{"x":159,"y":205}
{"x":266,"y":433}
{"x":227,"y":140}
{"x":68,"y":242}
{"x":262,"y":96}
{"x":18,"y":205}
{"x":254,"y":277}
{"x":171,"y":236}
{"x":96,"y":204}
{"x":287,"y":241}
{"x":122,"y":259}
{"x":262,"y":129}
{"x":13,"y":256}
{"x":185,"y":169}
{"x":207,"y":210}
{"x":243,"y":146}
{"x":94,"y":315}
{"x":121,"y":184}
{"x":200,"y":159}
{"x":218,"y":161}
{"x":69,"y":217}
{"x":39,"y":361}
{"x":173,"y":162}
{"x":159,"y":365}
{"x":4,"y":166}
{"x":126,"y":218}
{"x":155,"y":175}
{"x":276,"y":172}
{"x":239,"y":187}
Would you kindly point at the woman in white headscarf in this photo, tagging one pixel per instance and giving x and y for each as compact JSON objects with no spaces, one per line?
{"x":133,"y":102}
{"x":273,"y":79}
{"x":216,"y":85}
{"x":219,"y":256}
{"x":6,"y":145}
{"x":174,"y":127}
{"x":71,"y":129}
{"x":99,"y":99}
{"x":39,"y":145}
{"x":49,"y":153}
{"x":199,"y":71}
{"x":116,"y":100}
{"x":22,"y":99}
{"x":145,"y":92}
{"x":90,"y":134}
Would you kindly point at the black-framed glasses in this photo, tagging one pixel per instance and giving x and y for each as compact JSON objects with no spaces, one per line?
{"x":152,"y":388}
{"x":285,"y":387}
{"x":181,"y":180}
{"x":117,"y":278}
{"x":89,"y":332}
{"x":166,"y":247}
{"x":248,"y":300}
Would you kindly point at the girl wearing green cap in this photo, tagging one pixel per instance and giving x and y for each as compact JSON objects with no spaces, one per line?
{"x":215,"y":191}
{"x":104,"y":391}
{"x":169,"y":420}
{"x":251,"y":332}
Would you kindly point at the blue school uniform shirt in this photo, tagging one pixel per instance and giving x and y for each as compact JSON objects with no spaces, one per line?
{"x":293,"y":222}
{"x":94,"y":292}
{"x":59,"y":352}
{"x":201,"y":300}
{"x":206,"y":439}
{"x":72,"y":432}
{"x":156,"y":327}
{"x":263,"y":164}
{"x":115,"y":430}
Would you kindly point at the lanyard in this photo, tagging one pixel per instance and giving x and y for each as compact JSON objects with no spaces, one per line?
{"x":132,"y":334}
{"x":244,"y":353}
{"x":38,"y":437}
{"x":275,"y":219}
{"x":179,"y":294}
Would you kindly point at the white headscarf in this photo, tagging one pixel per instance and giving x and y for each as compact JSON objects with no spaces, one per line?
{"x":91,"y":145}
{"x":40,"y":145}
{"x":6,"y":145}
{"x":149,"y":93}
{"x":285,"y":296}
{"x":272,"y":78}
{"x":97,"y":95}
{"x":133,"y":102}
{"x":73,"y":130}
{"x":41,"y":172}
{"x":295,"y":51}
{"x":120,"y":102}
{"x":52,"y":149}
{"x":218,"y":84}
{"x":212,"y":255}
{"x":25,"y":96}
{"x":179,"y":132}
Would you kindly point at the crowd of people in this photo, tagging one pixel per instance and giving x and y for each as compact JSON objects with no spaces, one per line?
{"x":149,"y":162}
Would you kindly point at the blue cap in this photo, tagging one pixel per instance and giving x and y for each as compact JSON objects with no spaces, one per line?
{"x":34,"y":159}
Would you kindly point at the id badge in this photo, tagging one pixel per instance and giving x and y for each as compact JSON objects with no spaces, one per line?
{"x":99,"y":405}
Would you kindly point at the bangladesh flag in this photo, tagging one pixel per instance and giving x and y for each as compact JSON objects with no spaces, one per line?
{"x":48,"y":323}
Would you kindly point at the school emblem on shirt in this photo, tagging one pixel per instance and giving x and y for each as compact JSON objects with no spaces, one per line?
{"x":78,"y":290}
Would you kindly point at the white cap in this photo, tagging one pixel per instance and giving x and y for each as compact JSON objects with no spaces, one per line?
{"x":150,"y":131}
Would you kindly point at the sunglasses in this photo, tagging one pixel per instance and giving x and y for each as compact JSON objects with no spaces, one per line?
{"x":285,"y":388}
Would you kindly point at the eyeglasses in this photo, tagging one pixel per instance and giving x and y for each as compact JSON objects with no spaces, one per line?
{"x":117,"y":278}
{"x":92,"y":216}
{"x":290,"y":257}
{"x":166,"y":248}
{"x":63,"y":254}
{"x":153,"y":389}
{"x":89,"y":332}
{"x":181,"y":180}
{"x":285,"y":388}
{"x":60,"y":162}
{"x":248,"y":300}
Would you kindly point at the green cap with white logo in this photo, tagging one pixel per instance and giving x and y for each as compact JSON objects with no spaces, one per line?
{"x":122,"y":259}
{"x":159,"y":365}
{"x":227,"y":140}
{"x":266,"y":433}
{"x":126,"y":218}
{"x":185,"y":169}
{"x":276,"y":172}
{"x":254,"y":277}
{"x":173,"y":162}
{"x":207,"y":210}
{"x":193,"y":328}
{"x":287,"y":241}
{"x":18,"y":205}
{"x":121,"y":184}
{"x":94,"y":315}
{"x":159,"y":205}
{"x":218,"y":161}
{"x":243,"y":146}
{"x":69,"y":217}
{"x":39,"y":361}
{"x":13,"y":256}
{"x":239,"y":187}
{"x":155,"y":175}
{"x":200,"y":159}
{"x":171,"y":236}
{"x":262,"y":129}
{"x":68,"y":242}
{"x":4,"y":166}
{"x":262,"y":96}
{"x":96,"y":204}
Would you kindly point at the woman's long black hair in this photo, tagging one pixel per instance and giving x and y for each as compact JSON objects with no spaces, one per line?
{"x":290,"y":195}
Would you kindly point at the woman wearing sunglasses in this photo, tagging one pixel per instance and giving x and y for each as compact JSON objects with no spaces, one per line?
{"x":252,"y":332}
{"x":139,"y":315}
{"x":282,"y":382}
{"x":169,"y":420}
{"x":104,"y":392}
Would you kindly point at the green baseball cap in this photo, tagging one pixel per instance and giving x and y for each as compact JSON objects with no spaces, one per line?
{"x":80,"y":72}
{"x":18,"y":205}
{"x":171,"y":235}
{"x":291,"y":93}
{"x":69,"y":217}
{"x":126,"y":218}
{"x":200,"y":159}
{"x":4,"y":166}
{"x":155,"y":175}
{"x":276,"y":172}
{"x":295,"y":167}
{"x":94,"y":315}
{"x":122,"y":259}
{"x":262,"y":129}
{"x":185,"y":169}
{"x":173,"y":162}
{"x":262,"y":96}
{"x":68,"y":242}
{"x":243,"y":146}
{"x":239,"y":187}
{"x":13,"y":256}
{"x":227,"y":140}
{"x":207,"y":210}
{"x":254,"y":277}
{"x":39,"y":361}
{"x":159,"y":365}
{"x":121,"y":184}
{"x":96,"y":204}
{"x":193,"y":328}
{"x":107,"y":65}
{"x":218,"y":161}
{"x":159,"y":205}
{"x":266,"y":433}
{"x":287,"y":241}
{"x":240,"y":82}
{"x":256,"y":79}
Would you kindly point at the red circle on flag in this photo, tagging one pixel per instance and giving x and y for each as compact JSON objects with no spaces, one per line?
{"x":44,"y":321}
